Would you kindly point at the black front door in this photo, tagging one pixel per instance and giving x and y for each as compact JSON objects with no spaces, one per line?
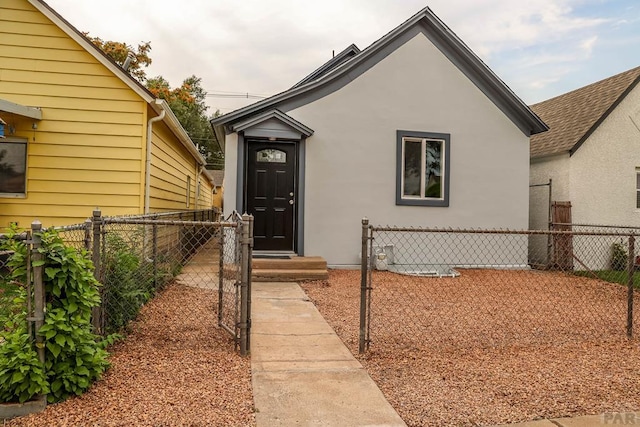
{"x":270,"y":194}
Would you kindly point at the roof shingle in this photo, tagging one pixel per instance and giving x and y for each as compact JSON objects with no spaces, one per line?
{"x":573,"y":116}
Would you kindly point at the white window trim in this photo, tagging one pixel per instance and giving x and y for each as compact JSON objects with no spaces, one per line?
{"x":423,"y":162}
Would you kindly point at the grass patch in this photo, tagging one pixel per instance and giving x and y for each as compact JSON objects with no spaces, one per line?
{"x":611,"y":276}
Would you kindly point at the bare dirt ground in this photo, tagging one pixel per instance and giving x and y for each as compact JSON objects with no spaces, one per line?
{"x":518,"y":355}
{"x":175,"y":368}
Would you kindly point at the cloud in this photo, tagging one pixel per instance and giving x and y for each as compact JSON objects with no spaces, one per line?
{"x":264,"y":47}
{"x":588,"y":44}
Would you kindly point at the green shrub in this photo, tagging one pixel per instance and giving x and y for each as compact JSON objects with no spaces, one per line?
{"x":128,"y":282}
{"x":22,"y":376}
{"x":74,"y":356}
{"x":619,"y":257}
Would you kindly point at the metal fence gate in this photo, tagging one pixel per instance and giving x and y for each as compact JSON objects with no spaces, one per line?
{"x":137,"y":256}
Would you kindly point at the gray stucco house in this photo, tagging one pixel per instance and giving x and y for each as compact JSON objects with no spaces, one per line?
{"x":413,"y":130}
{"x":592,"y":154}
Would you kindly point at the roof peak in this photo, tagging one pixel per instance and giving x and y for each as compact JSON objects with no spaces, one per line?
{"x":333,"y":76}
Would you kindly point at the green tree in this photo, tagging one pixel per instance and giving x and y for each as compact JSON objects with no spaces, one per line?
{"x":186,"y":101}
{"x":188,"y":104}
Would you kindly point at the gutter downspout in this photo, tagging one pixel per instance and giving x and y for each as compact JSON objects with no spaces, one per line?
{"x":147,"y":176}
{"x":198,"y":184}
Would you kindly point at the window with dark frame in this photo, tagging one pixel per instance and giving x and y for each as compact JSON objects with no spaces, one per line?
{"x":637,"y":188}
{"x":13,"y":167}
{"x":422,"y":168}
{"x":188,"y":191}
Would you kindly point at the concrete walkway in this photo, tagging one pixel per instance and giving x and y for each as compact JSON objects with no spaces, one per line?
{"x":303,"y":375}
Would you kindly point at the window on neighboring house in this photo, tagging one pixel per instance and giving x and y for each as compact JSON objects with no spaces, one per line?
{"x":638,"y":188}
{"x":188,"y":191}
{"x":422,"y":175}
{"x":13,"y":167}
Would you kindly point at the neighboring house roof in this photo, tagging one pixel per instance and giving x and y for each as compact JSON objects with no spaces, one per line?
{"x":158,"y":105}
{"x":574,"y":116}
{"x":332,"y":76}
{"x":217,"y":176}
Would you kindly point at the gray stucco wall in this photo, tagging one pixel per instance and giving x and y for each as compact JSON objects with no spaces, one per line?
{"x":603,"y":169}
{"x":351,"y":165}
{"x":557,"y":169}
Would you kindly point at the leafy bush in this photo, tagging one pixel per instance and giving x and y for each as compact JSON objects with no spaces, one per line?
{"x":130,"y":278}
{"x":74,"y":356}
{"x":22,"y":376}
{"x":128,"y":283}
{"x":619,"y":257}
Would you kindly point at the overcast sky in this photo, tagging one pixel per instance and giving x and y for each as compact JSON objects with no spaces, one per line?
{"x":540,"y":48}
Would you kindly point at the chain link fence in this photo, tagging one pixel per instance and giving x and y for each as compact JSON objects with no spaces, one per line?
{"x":455,"y":289}
{"x":137,"y":256}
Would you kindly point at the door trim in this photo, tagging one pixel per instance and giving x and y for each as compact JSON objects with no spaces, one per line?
{"x":241,"y":180}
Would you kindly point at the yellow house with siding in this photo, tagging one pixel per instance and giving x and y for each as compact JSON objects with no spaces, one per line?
{"x":78,"y":132}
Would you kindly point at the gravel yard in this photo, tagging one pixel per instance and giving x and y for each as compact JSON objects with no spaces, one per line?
{"x":467,"y":380}
{"x":175,"y":368}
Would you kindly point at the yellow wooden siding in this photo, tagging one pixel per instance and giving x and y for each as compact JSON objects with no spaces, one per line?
{"x":205,"y":200}
{"x":88,"y":149}
{"x":218,"y":197}
{"x":171,"y":165}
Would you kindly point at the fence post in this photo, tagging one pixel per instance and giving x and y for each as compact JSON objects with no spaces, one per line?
{"x":244,"y":283}
{"x":550,"y":224}
{"x":38,"y":285}
{"x":249,"y":284}
{"x":221,"y":276}
{"x":630,"y":274}
{"x":154,"y":251}
{"x":96,"y":312}
{"x":363,"y":285}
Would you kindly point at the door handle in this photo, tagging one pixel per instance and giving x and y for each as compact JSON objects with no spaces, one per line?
{"x":291,"y":202}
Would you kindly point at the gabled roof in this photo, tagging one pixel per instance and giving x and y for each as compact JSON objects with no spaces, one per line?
{"x":333,"y":78}
{"x":334,"y":62}
{"x":574,"y":116}
{"x":273,"y":114}
{"x":156,"y":104}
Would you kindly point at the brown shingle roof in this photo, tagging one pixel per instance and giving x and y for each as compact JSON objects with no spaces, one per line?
{"x":572,"y":117}
{"x":217,"y":176}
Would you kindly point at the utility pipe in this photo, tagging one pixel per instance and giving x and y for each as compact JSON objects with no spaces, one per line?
{"x":199,"y":169}
{"x":147,"y":176}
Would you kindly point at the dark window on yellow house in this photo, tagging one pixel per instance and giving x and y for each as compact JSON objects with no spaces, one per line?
{"x":188,"y":191}
{"x":638,"y":188}
{"x":13,"y":167}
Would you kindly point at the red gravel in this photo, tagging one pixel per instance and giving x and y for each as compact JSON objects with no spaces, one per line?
{"x":176,"y":368}
{"x":497,"y":372}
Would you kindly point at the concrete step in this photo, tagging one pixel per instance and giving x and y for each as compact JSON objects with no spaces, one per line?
{"x":288,"y":275}
{"x":293,"y":263}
